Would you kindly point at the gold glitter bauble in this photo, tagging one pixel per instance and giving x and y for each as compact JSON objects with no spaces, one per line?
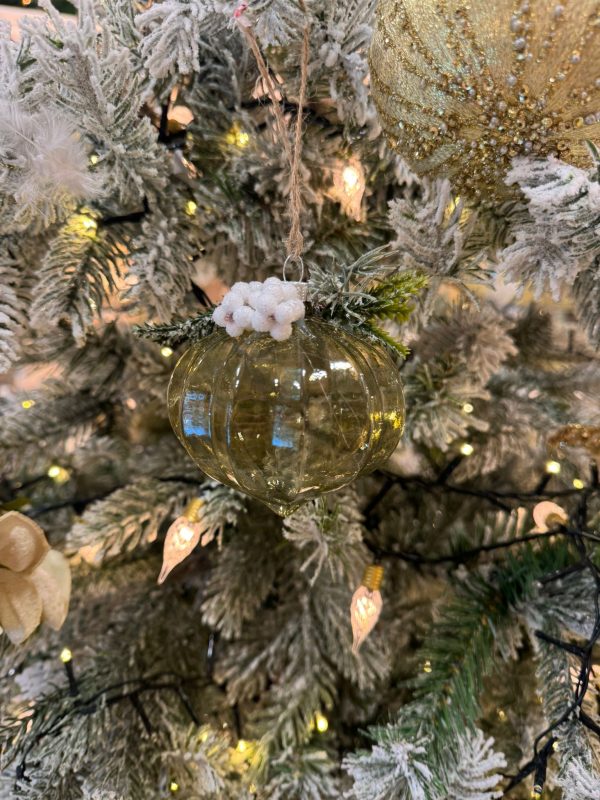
{"x":287,"y":421}
{"x":462,"y":87}
{"x":581,"y":437}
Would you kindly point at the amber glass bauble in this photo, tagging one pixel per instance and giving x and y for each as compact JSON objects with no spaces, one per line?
{"x":464,"y":86}
{"x":287,"y":421}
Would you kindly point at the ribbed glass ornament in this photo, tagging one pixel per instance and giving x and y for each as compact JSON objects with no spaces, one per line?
{"x":287,"y":421}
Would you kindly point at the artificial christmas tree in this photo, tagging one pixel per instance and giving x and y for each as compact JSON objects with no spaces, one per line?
{"x":151,"y":158}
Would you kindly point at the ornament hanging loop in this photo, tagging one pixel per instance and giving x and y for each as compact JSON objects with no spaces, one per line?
{"x":298,"y":262}
{"x":293,"y":151}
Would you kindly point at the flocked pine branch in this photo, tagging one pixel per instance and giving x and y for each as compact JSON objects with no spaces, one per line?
{"x":12,"y":317}
{"x":102,"y":89}
{"x":330,"y":530}
{"x":432,"y":233}
{"x":560,"y":237}
{"x":127,"y":519}
{"x":80,"y":269}
{"x":174,"y":333}
{"x":426,"y":747}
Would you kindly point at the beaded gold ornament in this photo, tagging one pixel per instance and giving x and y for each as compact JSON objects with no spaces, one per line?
{"x":464,"y":87}
{"x":579,"y":437}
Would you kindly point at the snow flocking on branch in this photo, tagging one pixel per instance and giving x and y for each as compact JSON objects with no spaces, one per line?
{"x":579,"y":781}
{"x":172,"y":32}
{"x":476,"y":776}
{"x":395,"y":770}
{"x":560,"y":238}
{"x":103,"y":88}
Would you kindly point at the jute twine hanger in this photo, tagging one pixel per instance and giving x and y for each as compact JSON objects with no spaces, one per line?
{"x":295,"y":240}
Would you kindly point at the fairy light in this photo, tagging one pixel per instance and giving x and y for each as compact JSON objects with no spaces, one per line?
{"x":173,"y":787}
{"x":578,"y":483}
{"x":467,"y":449}
{"x":58,"y":474}
{"x":94,"y":159}
{"x":87,"y":225}
{"x":552,"y":467}
{"x":27,"y":403}
{"x":237,"y":137}
{"x":501,"y":715}
{"x":241,"y":755}
{"x":467,"y":408}
{"x":180,"y":114}
{"x":83,"y":225}
{"x":182,"y":537}
{"x":427,"y":666}
{"x":66,"y":656}
{"x":366,"y":605}
{"x":351,"y":179}
{"x":321,"y":722}
{"x":190,"y":208}
{"x":548,"y":515}
{"x":131,"y":403}
{"x":348,"y":187}
{"x":166,"y":352}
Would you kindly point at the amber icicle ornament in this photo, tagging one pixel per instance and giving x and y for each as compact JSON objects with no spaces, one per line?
{"x":462,"y":87}
{"x":286,"y":421}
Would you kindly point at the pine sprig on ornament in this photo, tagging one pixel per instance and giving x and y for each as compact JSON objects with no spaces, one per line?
{"x":369,"y":291}
{"x":357,"y":296}
{"x":175,"y":333}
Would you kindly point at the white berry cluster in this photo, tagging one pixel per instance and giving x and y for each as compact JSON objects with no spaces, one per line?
{"x":270,"y":307}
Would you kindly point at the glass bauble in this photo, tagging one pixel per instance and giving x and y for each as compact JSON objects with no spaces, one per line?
{"x":465,"y":86}
{"x":287,"y":421}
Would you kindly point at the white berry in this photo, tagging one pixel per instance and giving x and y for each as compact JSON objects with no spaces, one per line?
{"x":261,"y":322}
{"x":253,"y":296}
{"x":289,"y":311}
{"x":219,"y":316}
{"x":240,"y":288}
{"x":243,"y":317}
{"x":281,"y":332}
{"x":289,"y":291}
{"x":267,"y":302}
{"x":231,"y":301}
{"x":233,"y":329}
